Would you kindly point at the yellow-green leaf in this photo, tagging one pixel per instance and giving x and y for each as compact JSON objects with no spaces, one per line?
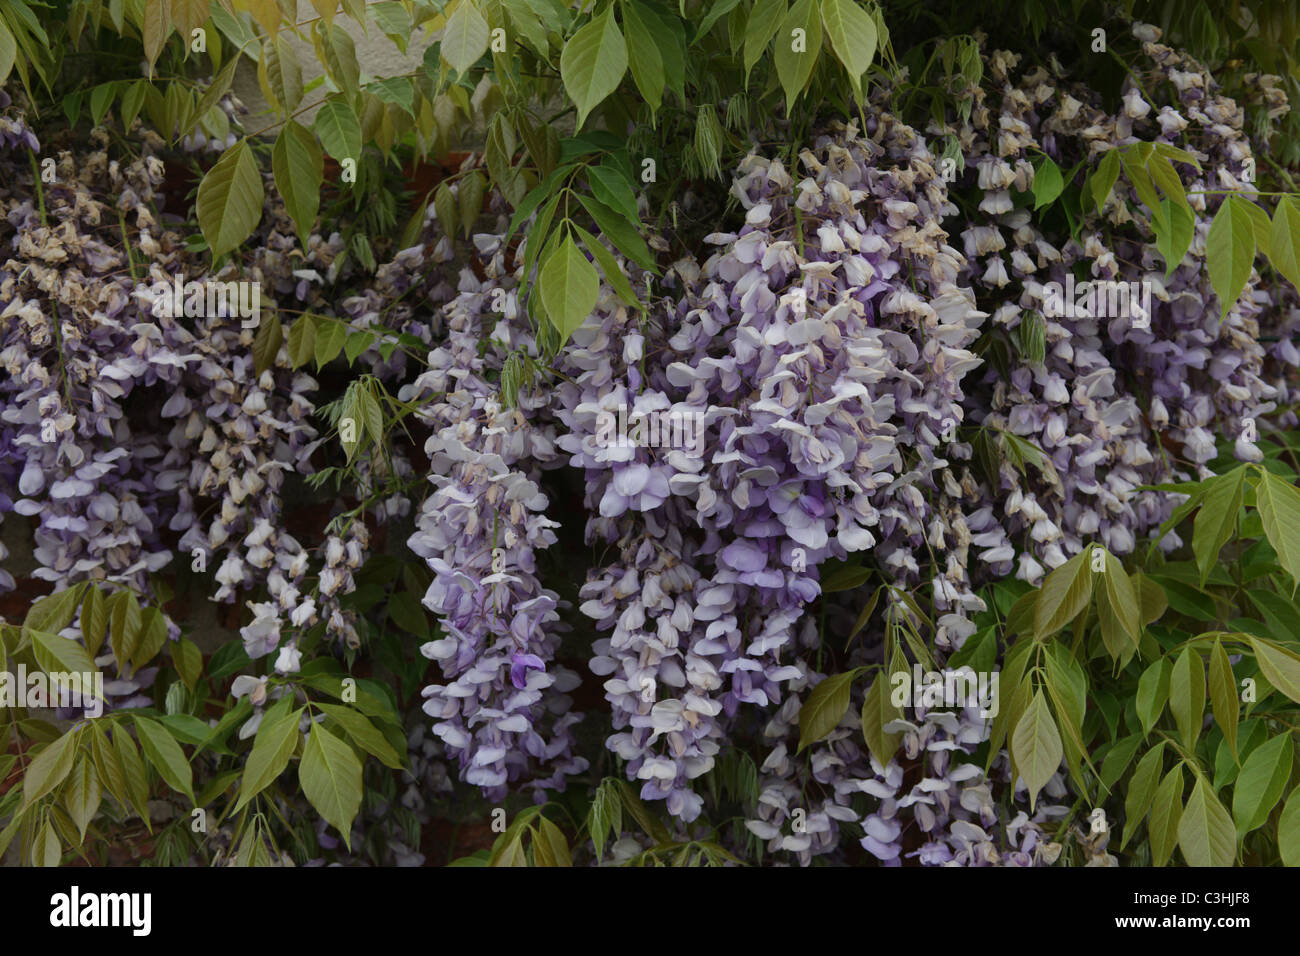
{"x":798,"y":43}
{"x":299,"y":167}
{"x":1166,"y":812}
{"x":593,"y":63}
{"x":1036,"y":746}
{"x":1205,"y":831}
{"x":1284,"y":239}
{"x":230,"y":198}
{"x":330,"y":776}
{"x":1187,"y":695}
{"x":569,"y":287}
{"x":465,"y":37}
{"x":1223,"y":695}
{"x":1230,"y":251}
{"x":825,"y":708}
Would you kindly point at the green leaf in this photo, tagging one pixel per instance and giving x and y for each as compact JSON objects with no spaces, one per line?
{"x":1103,"y":179}
{"x":340,"y":55}
{"x":54,"y":612}
{"x":302,"y":340}
{"x":8,"y":51}
{"x":1117,"y":760}
{"x":569,"y":287}
{"x":617,"y":230}
{"x":371,"y":414}
{"x":445,"y":205}
{"x":549,"y":847}
{"x":1048,"y":182}
{"x":83,"y":795}
{"x":50,"y":767}
{"x":794,"y":67}
{"x":1278,"y":502}
{"x":1173,"y":152}
{"x":283,"y":73}
{"x":845,"y":578}
{"x":166,"y":755}
{"x":128,"y":759}
{"x":1262,"y":227}
{"x":1230,"y":251}
{"x":1064,"y":594}
{"x":94,"y":620}
{"x":469,"y":200}
{"x":1118,"y":611}
{"x":1216,"y":519}
{"x":330,"y":776}
{"x":272,"y":747}
{"x":366,"y":734}
{"x":1166,"y":813}
{"x":1288,"y":830}
{"x":670,"y":37}
{"x":109,"y":767}
{"x":124,"y":619}
{"x":593,"y":63}
{"x":46,"y":849}
{"x":330,"y":336}
{"x":56,"y":654}
{"x":299,"y":169}
{"x":608,"y":265}
{"x":465,"y":37}
{"x":1174,"y":234}
{"x":1036,"y":746}
{"x":1284,"y":239}
{"x":1011,"y":684}
{"x":1261,"y":782}
{"x":1166,"y":177}
{"x":852,"y":33}
{"x":1279,"y":666}
{"x":154,"y":30}
{"x":1067,"y":686}
{"x":1223,"y":695}
{"x":396,"y":90}
{"x":339,"y":131}
{"x":266,"y":343}
{"x":1142,"y":790}
{"x":1152,"y":692}
{"x":153,"y":635}
{"x":230,"y":198}
{"x":878,"y":710}
{"x":357,"y":343}
{"x":644,"y":58}
{"x":825,"y":708}
{"x":1151,"y":598}
{"x":133,"y":99}
{"x":1187,"y":695}
{"x":1133,"y":159}
{"x":407,"y":613}
{"x":1205,"y":829}
{"x":101,"y":98}
{"x":610,"y":187}
{"x":762,"y":25}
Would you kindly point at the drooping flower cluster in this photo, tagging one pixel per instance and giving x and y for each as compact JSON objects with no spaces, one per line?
{"x":1120,"y":400}
{"x":503,"y":713}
